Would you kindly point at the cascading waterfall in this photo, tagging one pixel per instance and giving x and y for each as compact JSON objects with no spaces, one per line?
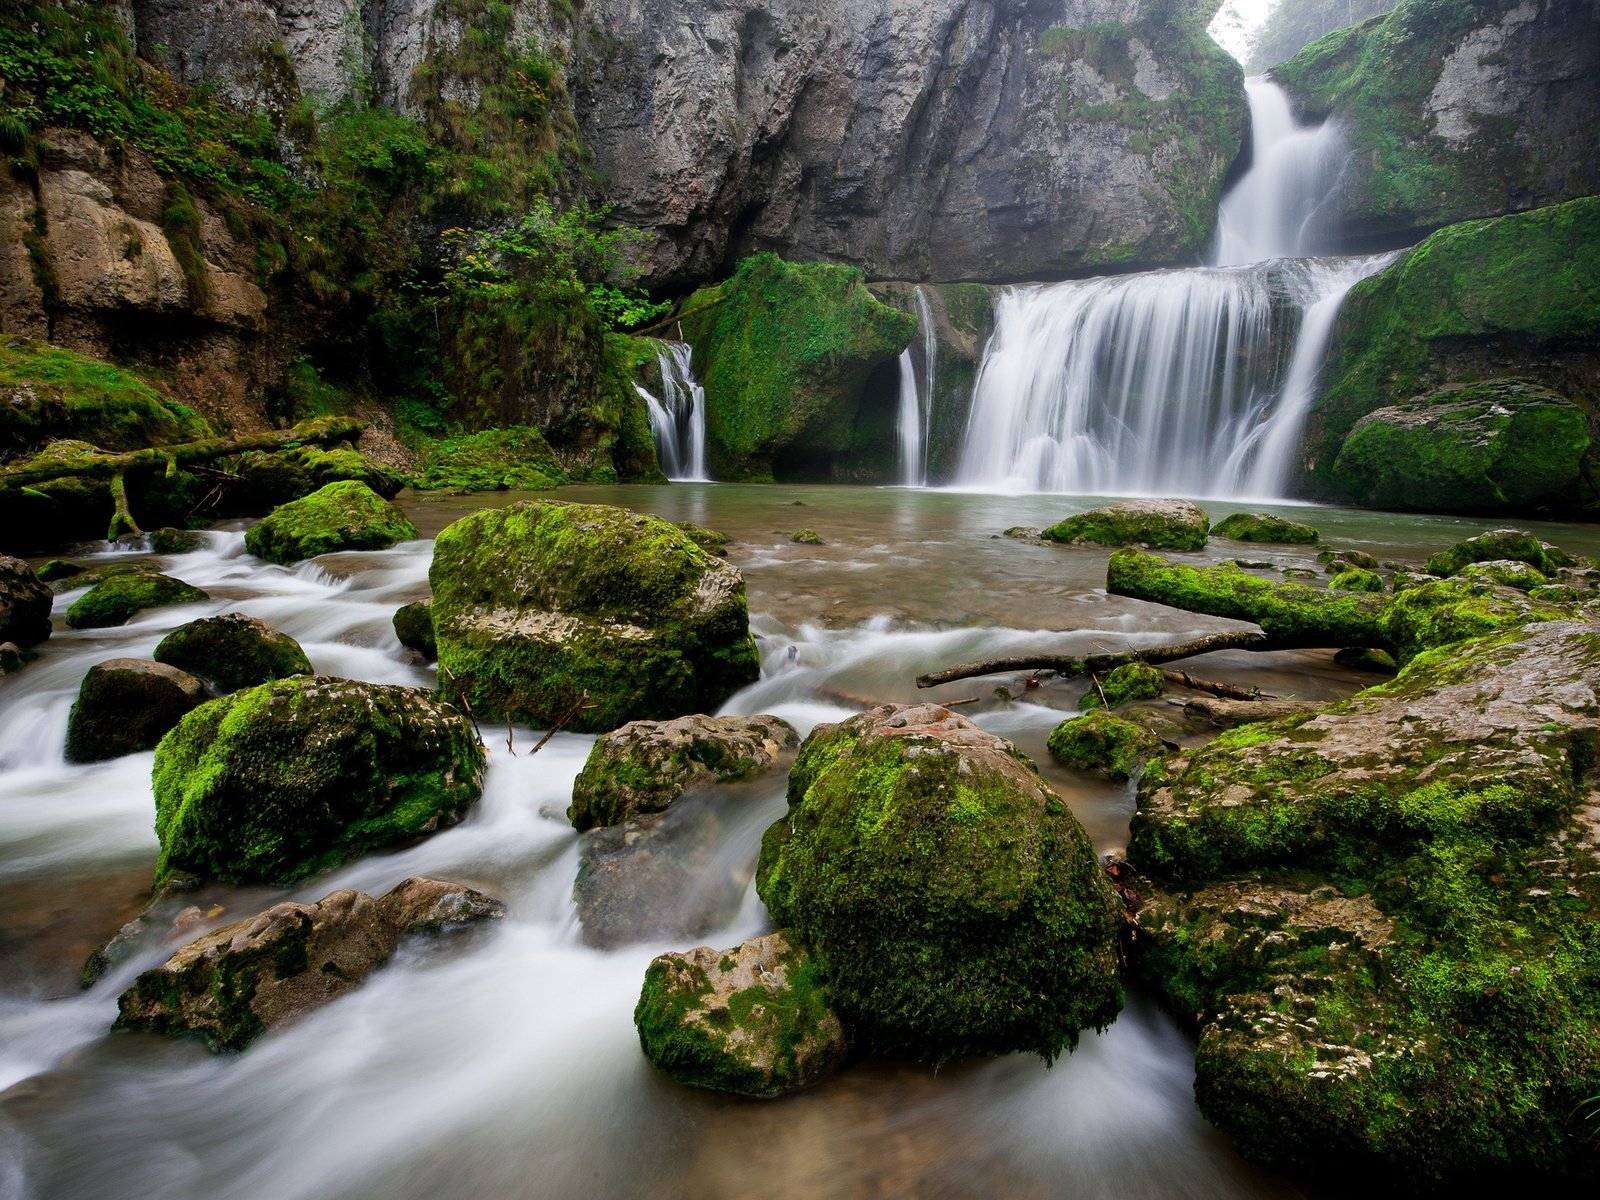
{"x":678,"y":417}
{"x":916,"y":400}
{"x":1190,"y":382}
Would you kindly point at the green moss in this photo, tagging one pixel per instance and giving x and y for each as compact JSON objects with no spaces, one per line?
{"x":1451,"y":610}
{"x":289,"y":778}
{"x":1131,"y":681}
{"x":1262,"y":527}
{"x":1499,"y":545}
{"x":1103,"y":743}
{"x":413,"y":626}
{"x":118,"y":597}
{"x":340,"y":516}
{"x":233,"y":651}
{"x":1134,"y":523}
{"x":806,"y":537}
{"x":1503,"y":573}
{"x":1356,"y":579}
{"x":517,"y":459}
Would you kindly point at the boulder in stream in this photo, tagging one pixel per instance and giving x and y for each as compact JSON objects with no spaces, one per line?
{"x":233,"y":651}
{"x":1104,"y":743}
{"x":126,"y":705}
{"x":347,"y":515}
{"x":413,"y":626}
{"x":24,"y":604}
{"x":1514,"y":545}
{"x":957,"y":904}
{"x":280,"y":781}
{"x":1161,"y":524}
{"x":118,"y":597}
{"x":1130,"y":681}
{"x":1263,"y":527}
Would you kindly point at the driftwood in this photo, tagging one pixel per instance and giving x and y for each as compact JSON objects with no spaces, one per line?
{"x":1068,"y":665}
{"x":1228,"y":713}
{"x":1228,"y":691}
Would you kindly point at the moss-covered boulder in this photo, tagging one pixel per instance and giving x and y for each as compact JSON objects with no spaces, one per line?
{"x":1452,"y":610}
{"x":128,"y":704}
{"x":1103,"y":743}
{"x":586,"y":614}
{"x":957,"y":905}
{"x":1263,"y":527}
{"x":495,"y":460}
{"x":289,"y":778}
{"x":25,"y":601}
{"x":1356,"y":579}
{"x":1504,"y":445}
{"x":233,"y":651}
{"x":1130,"y":681}
{"x":341,"y":516}
{"x":413,"y":626}
{"x":1504,"y":573}
{"x":168,"y":540}
{"x":806,"y":537}
{"x":1513,"y":545}
{"x":1384,"y":917}
{"x":756,"y":1020}
{"x":646,"y":765}
{"x":119,"y":597}
{"x":262,"y":481}
{"x":1162,"y":524}
{"x":785,"y":351}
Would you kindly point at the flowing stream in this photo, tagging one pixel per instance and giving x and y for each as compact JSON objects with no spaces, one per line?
{"x":503,"y":1061}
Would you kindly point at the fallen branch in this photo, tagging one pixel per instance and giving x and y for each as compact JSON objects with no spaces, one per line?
{"x":1228,"y":691}
{"x":583,"y":703}
{"x":1229,"y":713}
{"x":1068,"y":666}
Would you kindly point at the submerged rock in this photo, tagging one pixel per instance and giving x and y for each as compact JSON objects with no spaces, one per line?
{"x":547,"y":612}
{"x":120,"y":596}
{"x":233,"y":651}
{"x":1163,"y":524}
{"x":756,"y":1020}
{"x":289,"y":778}
{"x":1262,"y":527}
{"x":24,"y":604}
{"x":341,"y":516}
{"x":806,"y":537}
{"x":413,"y":626}
{"x":128,"y":704}
{"x":1100,"y":742}
{"x":644,"y":766}
{"x":910,"y":828}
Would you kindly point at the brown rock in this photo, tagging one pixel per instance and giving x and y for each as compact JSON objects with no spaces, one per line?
{"x":418,"y":905}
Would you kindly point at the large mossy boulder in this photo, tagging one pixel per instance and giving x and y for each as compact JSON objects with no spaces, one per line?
{"x":1263,"y":527}
{"x":263,"y":480}
{"x":1384,"y":917}
{"x":956,"y":903}
{"x":25,"y":602}
{"x":1504,"y":445}
{"x":128,"y":704}
{"x":340,"y":516}
{"x":646,"y":765}
{"x":233,"y":651}
{"x":1161,"y":524}
{"x":756,"y":1020}
{"x":1499,"y":545}
{"x":289,"y":778}
{"x":785,"y":351}
{"x":1103,"y":743}
{"x":118,"y":597}
{"x":586,"y":614}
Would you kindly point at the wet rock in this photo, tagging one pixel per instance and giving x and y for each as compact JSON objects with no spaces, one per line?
{"x":915,"y":811}
{"x":1498,"y":545}
{"x":413,"y":626}
{"x":1023,"y":533}
{"x":87,"y":577}
{"x":1228,"y":714}
{"x":341,"y":516}
{"x":709,"y":540}
{"x":280,"y":781}
{"x":128,"y":704}
{"x":24,"y":604}
{"x":756,"y":1020}
{"x":233,"y":651}
{"x":1262,"y":527}
{"x":1443,"y":611}
{"x":1504,"y":573}
{"x":644,"y":766}
{"x":806,"y":537}
{"x":59,"y":568}
{"x":12,"y":659}
{"x":551,"y":612}
{"x":1356,"y":579}
{"x":121,"y":596}
{"x":1366,"y":658}
{"x":168,"y":540}
{"x":1105,"y":744}
{"x":419,"y":905}
{"x":1334,"y":561}
{"x":1162,"y":524}
{"x":1130,"y":681}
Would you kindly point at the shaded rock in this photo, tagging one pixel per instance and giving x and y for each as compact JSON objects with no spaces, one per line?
{"x":756,"y":1020}
{"x":120,"y":596}
{"x":289,"y":778}
{"x":1163,"y":524}
{"x":233,"y":651}
{"x":419,"y":905}
{"x":1262,"y":527}
{"x":24,"y":604}
{"x":59,"y":568}
{"x":644,"y":766}
{"x":540,"y":604}
{"x":1106,"y":744}
{"x":128,"y":704}
{"x":1131,"y":681}
{"x":914,"y":811}
{"x":413,"y":626}
{"x":1366,"y":658}
{"x":495,"y":460}
{"x":168,"y":540}
{"x":12,"y":659}
{"x":1514,"y":545}
{"x":237,"y":982}
{"x":340,"y":516}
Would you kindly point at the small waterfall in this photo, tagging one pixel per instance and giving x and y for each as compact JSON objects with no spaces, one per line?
{"x":916,"y":400}
{"x":678,"y":417}
{"x":1186,"y":382}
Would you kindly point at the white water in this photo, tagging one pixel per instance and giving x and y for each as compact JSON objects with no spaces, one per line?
{"x":916,"y":400}
{"x":1188,"y":382}
{"x":678,"y":416}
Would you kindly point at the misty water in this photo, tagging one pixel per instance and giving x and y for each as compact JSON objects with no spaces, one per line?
{"x":503,"y":1061}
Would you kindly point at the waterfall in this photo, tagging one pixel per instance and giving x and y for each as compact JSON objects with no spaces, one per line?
{"x":1181,"y":382}
{"x":678,"y":417}
{"x":916,"y":400}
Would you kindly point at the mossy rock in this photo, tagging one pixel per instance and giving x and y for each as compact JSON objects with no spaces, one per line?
{"x":1452,"y":610}
{"x":540,"y":604}
{"x":1356,"y":579}
{"x":1513,"y":545}
{"x":1504,"y":573}
{"x":1262,"y":527}
{"x":957,"y":905}
{"x":25,"y":601}
{"x":88,"y":577}
{"x":118,"y":597}
{"x":264,"y":480}
{"x":806,"y":537}
{"x":233,"y":651}
{"x":1105,"y":744}
{"x":168,"y":540}
{"x":413,"y":626}
{"x":59,"y":568}
{"x":1163,"y":524}
{"x":1131,"y":681}
{"x":1334,"y":561}
{"x":280,"y":781}
{"x":126,"y":705}
{"x":646,"y":765}
{"x":340,"y":516}
{"x":514,"y":459}
{"x":756,"y":1020}
{"x":709,"y":540}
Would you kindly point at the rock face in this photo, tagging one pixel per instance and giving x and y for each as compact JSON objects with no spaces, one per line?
{"x":119,"y":597}
{"x":1382,"y":916}
{"x":1163,"y":524}
{"x":1499,"y":545}
{"x":1455,"y":111}
{"x":127,"y":704}
{"x":342,"y":516}
{"x":756,"y":1020}
{"x":24,"y":604}
{"x":646,"y":765}
{"x":956,"y":903}
{"x":289,"y":778}
{"x":233,"y":651}
{"x":537,"y":605}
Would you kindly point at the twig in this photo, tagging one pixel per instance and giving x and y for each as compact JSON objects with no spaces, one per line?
{"x":1104,"y":703}
{"x":509,"y":746}
{"x":565,"y":717}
